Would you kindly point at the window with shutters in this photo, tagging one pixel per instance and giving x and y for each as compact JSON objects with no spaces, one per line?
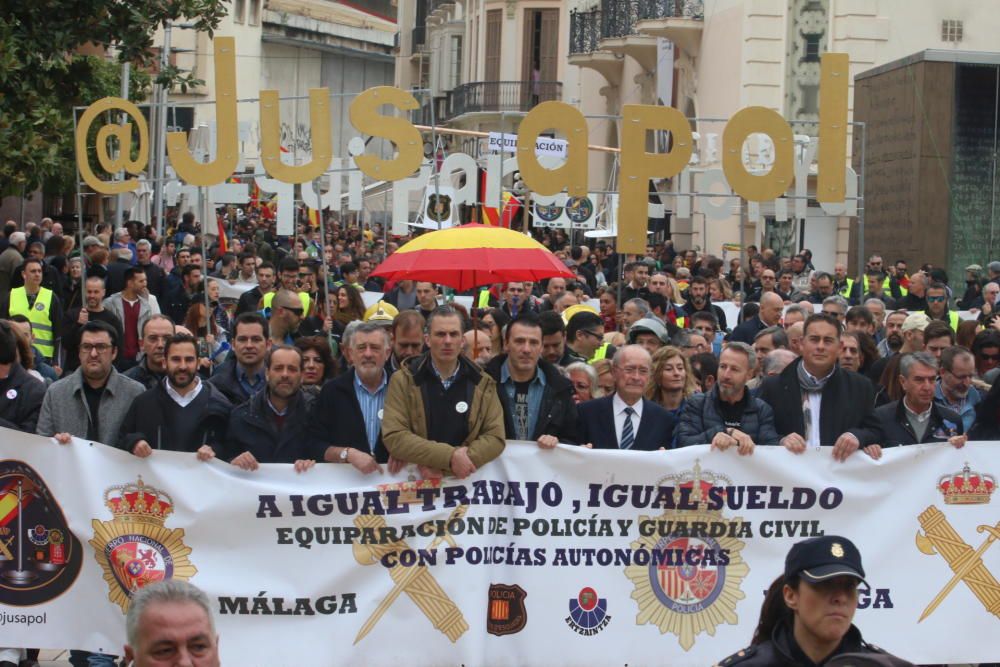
{"x":494,"y":34}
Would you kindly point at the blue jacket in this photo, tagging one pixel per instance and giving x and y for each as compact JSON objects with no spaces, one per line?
{"x":701,"y":421}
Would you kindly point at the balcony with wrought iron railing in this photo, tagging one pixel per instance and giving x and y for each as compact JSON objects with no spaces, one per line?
{"x":501,"y":96}
{"x":585,"y":46}
{"x":620,"y":35}
{"x":680,"y":21}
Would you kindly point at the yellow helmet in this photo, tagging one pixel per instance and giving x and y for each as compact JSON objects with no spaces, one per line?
{"x":568,"y":314}
{"x":381,"y":311}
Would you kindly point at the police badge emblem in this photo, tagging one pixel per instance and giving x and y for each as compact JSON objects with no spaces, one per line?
{"x":692,"y":584}
{"x":135,"y":548}
{"x":506,"y":613}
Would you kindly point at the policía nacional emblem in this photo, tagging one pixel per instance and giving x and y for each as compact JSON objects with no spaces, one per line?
{"x":39,"y":557}
{"x":692,"y":582}
{"x":136,"y":548}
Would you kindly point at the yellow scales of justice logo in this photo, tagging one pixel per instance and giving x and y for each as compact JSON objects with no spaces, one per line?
{"x":417,"y":581}
{"x":939,"y":537}
{"x":135,"y":548}
{"x":685,"y":589}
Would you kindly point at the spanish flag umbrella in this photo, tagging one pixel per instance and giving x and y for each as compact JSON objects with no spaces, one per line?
{"x":470,"y":256}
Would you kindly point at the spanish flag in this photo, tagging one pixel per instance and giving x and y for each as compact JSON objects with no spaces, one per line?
{"x":511,"y":206}
{"x":220,"y":222}
{"x":314,"y":217}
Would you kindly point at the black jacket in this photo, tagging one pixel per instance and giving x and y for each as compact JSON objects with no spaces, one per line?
{"x":896,"y":429}
{"x":848,"y":406}
{"x":781,"y":650}
{"x":336,"y":420}
{"x":597,"y":425}
{"x":701,"y":420}
{"x":248,"y":301}
{"x":690,"y":309}
{"x":251,"y":429}
{"x":21,"y":397}
{"x":141,"y":374}
{"x":557,"y":413}
{"x":746,"y":331}
{"x":147,"y":420}
{"x":225,"y":380}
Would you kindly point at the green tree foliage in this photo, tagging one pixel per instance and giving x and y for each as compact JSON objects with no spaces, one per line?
{"x":43,"y":75}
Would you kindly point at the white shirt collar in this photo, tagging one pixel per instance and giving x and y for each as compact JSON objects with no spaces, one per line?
{"x":920,"y":416}
{"x":183,"y":401}
{"x":618,"y":406}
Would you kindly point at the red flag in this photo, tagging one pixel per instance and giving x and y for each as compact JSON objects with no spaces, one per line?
{"x":223,"y":242}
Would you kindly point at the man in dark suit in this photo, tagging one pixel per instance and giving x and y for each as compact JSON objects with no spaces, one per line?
{"x":346,"y":418}
{"x":626,"y":420}
{"x":816,"y":402}
{"x":769,"y":315}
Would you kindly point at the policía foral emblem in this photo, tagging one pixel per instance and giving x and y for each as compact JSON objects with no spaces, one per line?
{"x":692,"y":581}
{"x":588,"y":613}
{"x":39,"y":557}
{"x":506,"y":613}
{"x":136,"y":548}
{"x":940,"y":537}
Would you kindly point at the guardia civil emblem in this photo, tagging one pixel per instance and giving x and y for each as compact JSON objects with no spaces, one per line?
{"x":691,"y":583}
{"x":136,"y":548}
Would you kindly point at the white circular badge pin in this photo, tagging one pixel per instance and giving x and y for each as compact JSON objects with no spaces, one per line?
{"x":11,"y":394}
{"x":461,"y":407}
{"x":380,"y":412}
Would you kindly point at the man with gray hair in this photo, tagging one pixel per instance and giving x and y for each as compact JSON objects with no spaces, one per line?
{"x":776,"y":361}
{"x":634,"y":310}
{"x":156,"y":279}
{"x":171,"y":618}
{"x":836,"y":306}
{"x":10,"y":259}
{"x":345,"y":422}
{"x":916,"y":418}
{"x":627,"y":420}
{"x":728,"y":415}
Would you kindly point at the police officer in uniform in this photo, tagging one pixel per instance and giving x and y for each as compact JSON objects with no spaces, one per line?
{"x":806,"y":618}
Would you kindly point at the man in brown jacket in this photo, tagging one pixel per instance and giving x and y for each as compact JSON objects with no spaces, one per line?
{"x":441,"y":411}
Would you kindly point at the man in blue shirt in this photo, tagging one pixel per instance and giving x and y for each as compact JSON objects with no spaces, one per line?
{"x":954,"y":388}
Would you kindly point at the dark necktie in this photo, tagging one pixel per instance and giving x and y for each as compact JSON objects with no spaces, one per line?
{"x":628,"y":437}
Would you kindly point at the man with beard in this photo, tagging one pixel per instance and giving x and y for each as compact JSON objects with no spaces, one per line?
{"x":346,"y":422}
{"x":727,"y":415}
{"x":954,"y":388}
{"x":909,"y":339}
{"x":698,"y":299}
{"x":180,"y":414}
{"x":272,"y":426}
{"x":407,"y":337}
{"x":153,"y":338}
{"x":76,"y":318}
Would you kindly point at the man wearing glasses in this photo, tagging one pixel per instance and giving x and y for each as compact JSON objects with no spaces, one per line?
{"x":937,"y":306}
{"x":627,"y":420}
{"x":286,"y":316}
{"x":954,"y":388}
{"x":584,"y":335}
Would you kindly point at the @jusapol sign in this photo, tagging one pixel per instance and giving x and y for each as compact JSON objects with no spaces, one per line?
{"x":636,"y":165}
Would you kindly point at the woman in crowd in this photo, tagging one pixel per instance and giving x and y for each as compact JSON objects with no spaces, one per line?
{"x":609,"y":310}
{"x":347,"y":305}
{"x":221,"y":314}
{"x":671,"y":381}
{"x":605,"y":378}
{"x":206,"y":331}
{"x":496,"y":319}
{"x":719,"y":290}
{"x":318,"y":364}
{"x":584,"y":379}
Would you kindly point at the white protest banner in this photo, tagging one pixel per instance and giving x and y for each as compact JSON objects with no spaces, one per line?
{"x":507,"y":143}
{"x":561,"y":557}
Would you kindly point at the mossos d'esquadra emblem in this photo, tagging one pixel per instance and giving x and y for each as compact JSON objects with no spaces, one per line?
{"x":40,"y":557}
{"x":135,"y":548}
{"x":692,"y":582}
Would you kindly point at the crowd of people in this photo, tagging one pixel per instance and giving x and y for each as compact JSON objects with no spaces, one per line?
{"x":137,"y":341}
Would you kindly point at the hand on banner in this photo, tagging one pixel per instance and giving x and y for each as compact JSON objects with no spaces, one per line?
{"x":63,"y":438}
{"x":395,"y":465}
{"x":429,"y":473}
{"x":302,"y":465}
{"x":743,"y":441}
{"x":723,"y":441}
{"x":142,"y":449}
{"x":363,"y":462}
{"x":588,"y":445}
{"x":846,"y":445}
{"x":794,"y":443}
{"x":874,"y":451}
{"x":958,"y":441}
{"x":205,"y":453}
{"x":247,"y":461}
{"x":461,"y":465}
{"x":548,"y":441}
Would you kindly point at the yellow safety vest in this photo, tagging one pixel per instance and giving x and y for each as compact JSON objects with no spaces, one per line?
{"x":484,"y":299}
{"x":39,"y":315}
{"x":886,"y":286}
{"x":953,"y":320}
{"x":269,"y":297}
{"x":599,"y":354}
{"x":846,"y":290}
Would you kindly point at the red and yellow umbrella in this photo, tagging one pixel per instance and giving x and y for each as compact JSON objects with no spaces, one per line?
{"x":471,"y":256}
